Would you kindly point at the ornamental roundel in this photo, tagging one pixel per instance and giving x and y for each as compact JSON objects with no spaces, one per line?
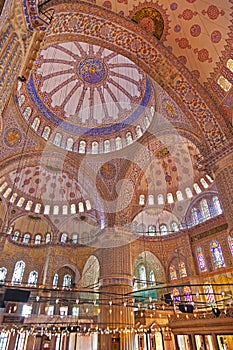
{"x":92,"y":71}
{"x":12,"y":137}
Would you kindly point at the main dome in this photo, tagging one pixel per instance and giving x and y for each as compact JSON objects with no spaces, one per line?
{"x":84,"y":90}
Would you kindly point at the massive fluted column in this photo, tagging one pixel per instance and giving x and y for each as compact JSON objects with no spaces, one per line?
{"x":116,"y":281}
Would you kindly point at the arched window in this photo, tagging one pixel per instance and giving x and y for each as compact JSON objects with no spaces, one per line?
{"x":224,"y":83}
{"x":3,"y":186}
{"x":230,"y":242}
{"x":8,"y":191}
{"x":37,"y":208}
{"x":18,"y":272}
{"x":172,"y":272}
{"x":151,"y":199}
{"x":13,"y":197}
{"x":204,"y":183}
{"x":209,"y":178}
{"x":66,"y":281}
{"x":138,"y":131}
{"x":188,"y":193}
{"x":46,"y":209}
{"x":179,"y":195}
{"x":64,"y":209}
{"x":146,"y":122}
{"x":47,"y":238}
{"x":69,"y":144}
{"x":64,"y":238}
{"x":209,"y":293}
{"x":27,"y":113}
{"x":217,"y":205}
{"x":118,"y":143}
{"x":3,"y":272}
{"x":55,"y":280}
{"x":82,"y":147}
{"x":21,"y":100}
{"x":57,"y":139}
{"x":80,"y":207}
{"x":188,"y":294}
{"x":152,"y":278}
{"x":217,"y":254}
{"x":129,"y":138}
{"x":15,"y":236}
{"x":182,"y":269}
{"x":55,"y":210}
{"x":107,"y":146}
{"x":36,"y":123}
{"x":201,"y":260}
{"x":170,"y":199}
{"x":152,"y":110}
{"x":205,"y":209}
{"x":94,"y":147}
{"x":176,"y":295}
{"x":160,"y":199}
{"x":194,"y":216}
{"x":75,"y":238}
{"x":142,"y":276}
{"x":151,"y":230}
{"x":38,"y":239}
{"x":141,"y":199}
{"x":20,"y":202}
{"x":230,"y":64}
{"x":26,"y":238}
{"x":46,"y":132}
{"x":197,"y":188}
{"x":88,"y":204}
{"x":28,"y":205}
{"x":73,"y":208}
{"x":32,"y":279}
{"x":163,"y":229}
{"x":174,"y":226}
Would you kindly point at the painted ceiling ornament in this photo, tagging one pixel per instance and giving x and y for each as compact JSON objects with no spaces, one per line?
{"x":12,"y":137}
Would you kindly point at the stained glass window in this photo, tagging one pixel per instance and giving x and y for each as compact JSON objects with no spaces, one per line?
{"x":18,"y":272}
{"x":47,"y":238}
{"x":176,"y":295}
{"x":57,"y":139}
{"x":230,"y":241}
{"x":36,"y":123}
{"x":118,"y":143}
{"x":217,"y":205}
{"x":64,"y":238}
{"x":151,"y":199}
{"x":208,"y":289}
{"x":32,"y":279}
{"x":163,"y":229}
{"x":151,"y":230}
{"x":94,"y":147}
{"x":142,"y":276}
{"x":182,"y":269}
{"x":174,"y":226}
{"x":152,"y":278}
{"x":107,"y":146}
{"x":46,"y":132}
{"x":129,"y":138}
{"x":38,"y":239}
{"x":217,"y":254}
{"x":224,"y":83}
{"x":69,"y":144}
{"x":194,"y":214}
{"x":3,"y":272}
{"x":26,"y":238}
{"x":82,"y":147}
{"x":188,"y":294}
{"x":55,"y":280}
{"x":188,"y":193}
{"x":230,"y":64}
{"x":205,"y":208}
{"x":201,"y":260}
{"x":141,"y":199}
{"x":172,"y":271}
{"x":66,"y":281}
{"x":16,"y":236}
